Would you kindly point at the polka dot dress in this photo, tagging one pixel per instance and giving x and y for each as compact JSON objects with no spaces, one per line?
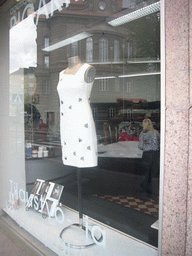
{"x":77,"y":128}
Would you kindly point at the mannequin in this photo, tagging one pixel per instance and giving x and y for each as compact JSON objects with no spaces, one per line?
{"x":77,"y":128}
{"x":74,"y":64}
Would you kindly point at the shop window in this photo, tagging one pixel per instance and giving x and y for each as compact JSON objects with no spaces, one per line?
{"x":116,"y":50}
{"x":89,"y":49}
{"x":103,"y":85}
{"x":74,"y":49}
{"x":111,"y":93}
{"x":46,"y":61}
{"x":103,"y":50}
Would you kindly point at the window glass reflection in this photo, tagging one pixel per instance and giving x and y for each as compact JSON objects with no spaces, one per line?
{"x":126,"y":57}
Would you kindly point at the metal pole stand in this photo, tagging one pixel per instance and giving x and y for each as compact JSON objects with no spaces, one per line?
{"x":82,"y":230}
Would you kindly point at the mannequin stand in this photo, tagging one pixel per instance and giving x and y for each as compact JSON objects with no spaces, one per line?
{"x":80,"y":205}
{"x":80,"y":225}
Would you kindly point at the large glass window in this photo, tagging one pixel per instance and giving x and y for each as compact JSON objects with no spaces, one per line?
{"x":122,"y":88}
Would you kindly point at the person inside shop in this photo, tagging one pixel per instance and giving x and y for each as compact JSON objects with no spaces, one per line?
{"x":149,"y":142}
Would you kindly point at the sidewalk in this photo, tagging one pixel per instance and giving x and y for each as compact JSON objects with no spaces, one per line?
{"x":15,"y":241}
{"x":9,"y":247}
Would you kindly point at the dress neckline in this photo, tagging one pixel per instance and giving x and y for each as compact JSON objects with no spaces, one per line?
{"x":76,"y":72}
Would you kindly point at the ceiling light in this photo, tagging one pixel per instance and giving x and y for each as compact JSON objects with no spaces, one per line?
{"x":105,"y":77}
{"x":128,"y":75}
{"x":143,"y":61}
{"x":67,"y":41}
{"x":136,"y":14}
{"x":141,"y":74}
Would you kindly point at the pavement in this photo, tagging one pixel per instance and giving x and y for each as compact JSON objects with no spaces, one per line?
{"x":9,"y":247}
{"x":16,"y":241}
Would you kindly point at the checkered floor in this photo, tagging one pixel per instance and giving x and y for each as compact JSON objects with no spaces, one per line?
{"x":149,"y":206}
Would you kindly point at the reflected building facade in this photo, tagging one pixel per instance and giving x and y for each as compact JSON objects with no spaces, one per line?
{"x":122,"y":80}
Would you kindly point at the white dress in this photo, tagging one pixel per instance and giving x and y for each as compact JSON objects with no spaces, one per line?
{"x":77,"y":128}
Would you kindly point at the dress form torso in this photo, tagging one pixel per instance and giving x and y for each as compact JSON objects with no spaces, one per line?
{"x":77,"y":128}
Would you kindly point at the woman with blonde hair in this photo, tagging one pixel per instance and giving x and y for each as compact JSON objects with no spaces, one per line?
{"x":149,"y":141}
{"x":147,"y":125}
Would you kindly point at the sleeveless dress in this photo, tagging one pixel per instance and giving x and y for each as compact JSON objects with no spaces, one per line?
{"x":77,"y":128}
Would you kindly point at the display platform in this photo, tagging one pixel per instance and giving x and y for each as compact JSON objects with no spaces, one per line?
{"x":48,"y":232}
{"x":121,"y":149}
{"x":123,"y":156}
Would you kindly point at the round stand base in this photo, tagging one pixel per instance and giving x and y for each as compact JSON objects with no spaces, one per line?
{"x":78,"y":236}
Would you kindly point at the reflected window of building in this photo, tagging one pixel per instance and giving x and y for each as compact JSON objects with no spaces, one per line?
{"x":111,"y":112}
{"x":46,"y":61}
{"x":129,"y":49}
{"x":50,"y":118}
{"x":129,"y":86}
{"x":89,"y":49}
{"x":103,"y":49}
{"x":46,"y":42}
{"x":116,"y":50}
{"x":74,"y":49}
{"x":103,"y":85}
{"x":117,"y":85}
{"x":128,"y":113}
{"x":94,"y":112}
{"x":46,"y":86}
